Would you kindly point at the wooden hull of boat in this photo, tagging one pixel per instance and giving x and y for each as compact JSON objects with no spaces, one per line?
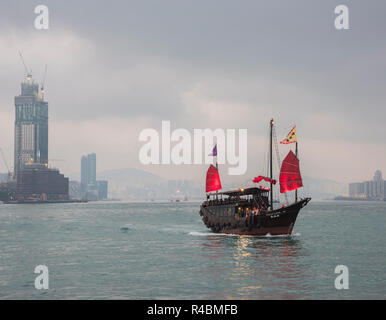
{"x":276,"y":222}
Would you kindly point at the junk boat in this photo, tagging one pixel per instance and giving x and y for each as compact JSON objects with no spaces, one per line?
{"x":250,"y":211}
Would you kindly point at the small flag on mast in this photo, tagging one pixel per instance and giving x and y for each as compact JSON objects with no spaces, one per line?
{"x":291,"y":137}
{"x":214,"y":151}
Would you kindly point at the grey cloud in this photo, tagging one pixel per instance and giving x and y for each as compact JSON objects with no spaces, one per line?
{"x":145,"y":59}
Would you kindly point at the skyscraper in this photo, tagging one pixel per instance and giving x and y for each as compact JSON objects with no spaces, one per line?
{"x":31,"y":126}
{"x":88,"y":169}
{"x":83,"y":171}
{"x":91,"y":168}
{"x":34,"y":180}
{"x":91,"y":188}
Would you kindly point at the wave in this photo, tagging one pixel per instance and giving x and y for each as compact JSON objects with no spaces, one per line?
{"x":126,"y":228}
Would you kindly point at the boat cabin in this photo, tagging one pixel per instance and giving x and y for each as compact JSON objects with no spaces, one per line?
{"x":247,"y":200}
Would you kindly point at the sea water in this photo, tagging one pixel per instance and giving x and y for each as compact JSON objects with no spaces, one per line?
{"x":161,"y":250}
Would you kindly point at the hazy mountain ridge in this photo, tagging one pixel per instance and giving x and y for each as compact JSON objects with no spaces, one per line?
{"x":130,"y":176}
{"x":132,"y":183}
{"x":324,"y":188}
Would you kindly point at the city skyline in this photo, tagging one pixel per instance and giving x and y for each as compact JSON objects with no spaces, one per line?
{"x":370,"y":189}
{"x":105,"y":85}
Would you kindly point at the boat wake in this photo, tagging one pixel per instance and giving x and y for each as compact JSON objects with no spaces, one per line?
{"x":205,"y":234}
{"x":298,"y":234}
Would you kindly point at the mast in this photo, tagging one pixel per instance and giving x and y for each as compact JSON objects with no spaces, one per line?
{"x":296,"y":154}
{"x":217,"y":169}
{"x":270,"y":162}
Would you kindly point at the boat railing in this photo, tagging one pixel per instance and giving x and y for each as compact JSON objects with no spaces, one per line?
{"x":216,"y":202}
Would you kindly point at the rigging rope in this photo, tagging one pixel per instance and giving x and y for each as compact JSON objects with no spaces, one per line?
{"x":278,"y":156}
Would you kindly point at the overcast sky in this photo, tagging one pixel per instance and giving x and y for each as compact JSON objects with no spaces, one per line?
{"x":115,"y":68}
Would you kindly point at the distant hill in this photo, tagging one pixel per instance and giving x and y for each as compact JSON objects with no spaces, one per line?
{"x":129,"y":183}
{"x":130,"y":176}
{"x":323,"y":188}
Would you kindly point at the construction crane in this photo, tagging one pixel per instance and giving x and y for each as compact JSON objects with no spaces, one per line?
{"x":43,"y":82}
{"x":28,"y":73}
{"x":6,"y":164}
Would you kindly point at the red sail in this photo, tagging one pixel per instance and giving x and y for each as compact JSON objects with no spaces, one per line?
{"x":259,"y":178}
{"x":213,"y":182}
{"x":290,"y":178}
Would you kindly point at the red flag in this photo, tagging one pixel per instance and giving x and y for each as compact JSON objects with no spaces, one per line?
{"x":259,"y":178}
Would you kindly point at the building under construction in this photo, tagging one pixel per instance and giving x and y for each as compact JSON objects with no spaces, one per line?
{"x":34,"y":180}
{"x":31,"y":126}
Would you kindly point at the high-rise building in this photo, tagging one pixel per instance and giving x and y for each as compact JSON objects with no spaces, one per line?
{"x":83,"y":171}
{"x":88,"y":169}
{"x":355,"y":189}
{"x":31,"y":126}
{"x":91,"y":188}
{"x":91,"y":168}
{"x":378,"y":175}
{"x":34,"y":180}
